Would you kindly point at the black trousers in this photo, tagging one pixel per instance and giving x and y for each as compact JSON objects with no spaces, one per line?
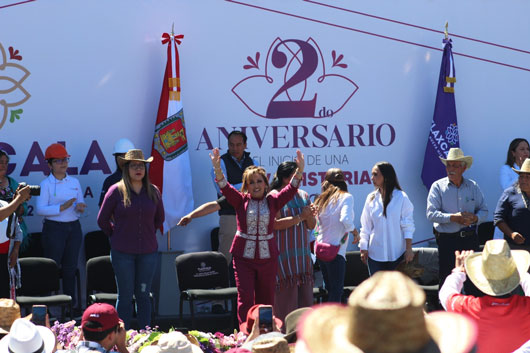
{"x":447,"y":245}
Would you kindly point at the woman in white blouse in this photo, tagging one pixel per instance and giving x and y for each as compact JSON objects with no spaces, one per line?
{"x":387,"y":224}
{"x":335,"y":217}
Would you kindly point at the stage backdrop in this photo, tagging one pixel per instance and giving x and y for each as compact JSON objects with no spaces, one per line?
{"x":348,"y":83}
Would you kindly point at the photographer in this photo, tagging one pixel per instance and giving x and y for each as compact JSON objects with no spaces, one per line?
{"x":10,"y":238}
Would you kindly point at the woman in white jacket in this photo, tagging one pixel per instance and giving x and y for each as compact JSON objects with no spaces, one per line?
{"x":335,"y":217}
{"x":387,"y":224}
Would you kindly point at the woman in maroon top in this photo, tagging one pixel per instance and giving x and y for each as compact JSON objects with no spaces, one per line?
{"x":254,"y":249}
{"x":130,"y":214}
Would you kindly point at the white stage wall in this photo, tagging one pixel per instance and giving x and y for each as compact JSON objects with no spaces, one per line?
{"x":95,"y":71}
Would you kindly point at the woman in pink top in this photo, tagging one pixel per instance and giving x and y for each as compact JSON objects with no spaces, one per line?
{"x":254,"y":248}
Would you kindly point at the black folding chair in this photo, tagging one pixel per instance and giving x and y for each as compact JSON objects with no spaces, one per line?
{"x":40,"y":285}
{"x":203,"y":276}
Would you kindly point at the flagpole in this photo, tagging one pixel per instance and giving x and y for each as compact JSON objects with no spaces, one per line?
{"x":169,"y":239}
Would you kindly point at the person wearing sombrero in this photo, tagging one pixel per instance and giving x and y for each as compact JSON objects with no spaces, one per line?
{"x":456,"y":206}
{"x":503,"y":318}
{"x":384,"y":315}
{"x":130,"y":214}
{"x":512,"y":215}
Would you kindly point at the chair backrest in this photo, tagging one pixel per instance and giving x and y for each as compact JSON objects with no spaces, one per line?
{"x":100,"y":275}
{"x":356,"y":270}
{"x":96,"y":244}
{"x":428,"y":259}
{"x":485,"y":232}
{"x":214,"y":239}
{"x":39,"y":276}
{"x":202,"y":270}
{"x":32,"y":246}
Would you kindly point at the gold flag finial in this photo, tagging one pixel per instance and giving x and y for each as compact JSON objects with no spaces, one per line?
{"x":173,"y":29}
{"x":446,"y":32}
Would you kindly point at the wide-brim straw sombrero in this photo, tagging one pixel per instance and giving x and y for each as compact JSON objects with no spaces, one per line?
{"x":525,"y":167}
{"x":136,"y":155}
{"x":497,"y":270}
{"x":9,"y":312}
{"x":457,"y":155}
{"x":384,"y":315}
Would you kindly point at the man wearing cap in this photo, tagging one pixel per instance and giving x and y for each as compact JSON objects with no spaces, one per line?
{"x":120,"y":148}
{"x":503,"y":318}
{"x":456,"y":206}
{"x":233,"y":164}
{"x":102,"y":330}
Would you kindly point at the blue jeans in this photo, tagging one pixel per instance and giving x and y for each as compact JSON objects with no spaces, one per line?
{"x":61,"y":242}
{"x":333,"y":273}
{"x":374,"y":266}
{"x":134,"y":275}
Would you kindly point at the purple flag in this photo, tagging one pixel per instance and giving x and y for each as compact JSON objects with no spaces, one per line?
{"x":444,"y":127}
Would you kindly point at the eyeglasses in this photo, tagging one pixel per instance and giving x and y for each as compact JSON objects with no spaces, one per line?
{"x":61,"y":161}
{"x":137,"y":166}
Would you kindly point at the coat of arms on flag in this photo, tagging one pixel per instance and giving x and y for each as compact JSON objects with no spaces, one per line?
{"x":170,"y":137}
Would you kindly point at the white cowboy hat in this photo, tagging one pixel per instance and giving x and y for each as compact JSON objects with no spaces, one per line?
{"x":25,"y":337}
{"x":525,"y":168}
{"x":497,"y":270}
{"x":456,"y":154}
{"x":384,"y":315}
{"x":176,"y":342}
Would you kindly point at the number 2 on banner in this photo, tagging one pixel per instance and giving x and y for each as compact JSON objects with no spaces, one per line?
{"x":294,"y":109}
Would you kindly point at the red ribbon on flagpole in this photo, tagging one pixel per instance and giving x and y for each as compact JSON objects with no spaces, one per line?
{"x":166,"y":37}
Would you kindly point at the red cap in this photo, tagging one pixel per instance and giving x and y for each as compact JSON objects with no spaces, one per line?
{"x":55,"y":150}
{"x":102,"y":313}
{"x":252,"y":314}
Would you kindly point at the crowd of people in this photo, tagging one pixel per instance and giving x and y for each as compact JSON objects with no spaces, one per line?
{"x":265,"y":234}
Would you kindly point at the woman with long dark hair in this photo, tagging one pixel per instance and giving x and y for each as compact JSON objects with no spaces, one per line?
{"x":387,"y":223}
{"x":130,"y":214}
{"x":518,"y":151}
{"x":335,"y":220}
{"x":294,"y":281}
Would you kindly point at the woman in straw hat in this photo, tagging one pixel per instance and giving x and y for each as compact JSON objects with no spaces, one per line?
{"x":254,"y":249}
{"x":518,"y":151}
{"x":512,"y":215}
{"x":384,"y":315}
{"x":335,"y":221}
{"x":503,"y":318}
{"x":131,"y":212}
{"x":386,"y":222}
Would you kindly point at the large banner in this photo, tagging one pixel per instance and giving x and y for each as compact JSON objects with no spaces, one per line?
{"x":348,"y":83}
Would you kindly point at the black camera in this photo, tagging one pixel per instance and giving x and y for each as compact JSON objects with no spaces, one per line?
{"x":34,"y":190}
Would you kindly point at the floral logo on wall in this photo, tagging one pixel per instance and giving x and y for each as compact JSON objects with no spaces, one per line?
{"x":12,"y":93}
{"x":296,"y":79}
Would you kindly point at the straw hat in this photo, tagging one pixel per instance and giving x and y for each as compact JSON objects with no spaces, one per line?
{"x":456,"y":154}
{"x":497,"y":270}
{"x":271,"y":345}
{"x":135,"y":155}
{"x":9,"y":312}
{"x":291,"y":321}
{"x":525,"y":168}
{"x":384,"y":315}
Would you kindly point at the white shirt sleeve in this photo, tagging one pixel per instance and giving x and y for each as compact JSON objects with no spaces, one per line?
{"x":453,"y":285}
{"x":367,"y":225}
{"x":42,"y":206}
{"x":347,"y":213}
{"x":525,"y":284}
{"x":407,"y":219}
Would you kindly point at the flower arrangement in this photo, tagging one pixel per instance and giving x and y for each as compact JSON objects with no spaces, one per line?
{"x":68,"y":335}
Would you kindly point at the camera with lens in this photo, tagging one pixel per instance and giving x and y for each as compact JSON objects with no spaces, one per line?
{"x":34,"y":190}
